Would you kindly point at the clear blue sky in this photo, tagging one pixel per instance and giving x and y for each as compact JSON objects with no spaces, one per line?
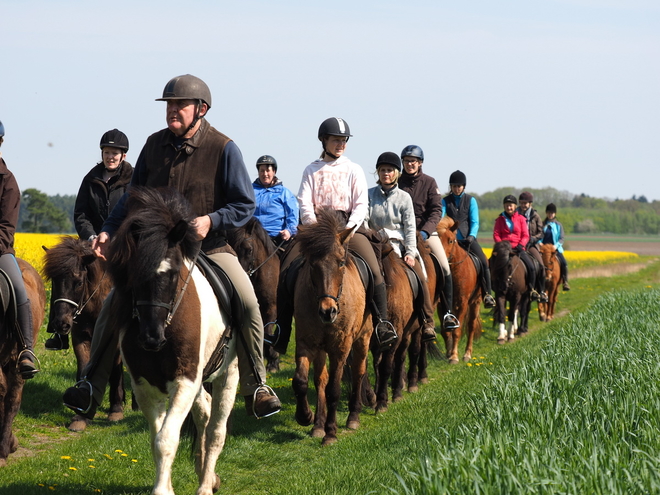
{"x":529,"y":93}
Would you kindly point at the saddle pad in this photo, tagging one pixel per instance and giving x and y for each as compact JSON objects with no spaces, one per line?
{"x":415,"y":282}
{"x":223,"y":288}
{"x":8,"y":302}
{"x":365,"y":275}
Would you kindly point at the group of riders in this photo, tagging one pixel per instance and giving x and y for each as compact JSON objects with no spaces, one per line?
{"x":189,"y":155}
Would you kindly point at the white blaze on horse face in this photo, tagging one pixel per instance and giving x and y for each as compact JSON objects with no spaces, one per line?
{"x":164,"y":266}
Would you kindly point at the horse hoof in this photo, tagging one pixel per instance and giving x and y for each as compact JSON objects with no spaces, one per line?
{"x":397,"y":398}
{"x":304,"y":420}
{"x":453,"y":361}
{"x":511,"y":339}
{"x":216,"y":484}
{"x":352,"y":425}
{"x":79,"y":423}
{"x":328,"y":440}
{"x":3,"y":463}
{"x":115,"y":416}
{"x":381,"y":408}
{"x":424,"y":381}
{"x":413,"y":390}
{"x":467,"y":359}
{"x":501,"y":341}
{"x":317,"y":433}
{"x":13,"y":444}
{"x":273,"y":369}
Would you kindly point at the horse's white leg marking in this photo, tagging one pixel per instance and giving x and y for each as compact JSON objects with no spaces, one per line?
{"x":514,"y":325}
{"x":502,"y":334}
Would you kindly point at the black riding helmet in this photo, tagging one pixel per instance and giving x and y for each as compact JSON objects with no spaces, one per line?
{"x":267,"y":160}
{"x":188,"y":87}
{"x":510,"y":198}
{"x":414,"y":151}
{"x":333,"y":127}
{"x":2,"y":130}
{"x":457,"y":178}
{"x":114,"y":139}
{"x":389,"y":158}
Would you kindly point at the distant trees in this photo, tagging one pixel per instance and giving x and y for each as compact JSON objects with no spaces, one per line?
{"x":39,"y":214}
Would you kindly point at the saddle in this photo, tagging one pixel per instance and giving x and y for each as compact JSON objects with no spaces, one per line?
{"x":7,"y":302}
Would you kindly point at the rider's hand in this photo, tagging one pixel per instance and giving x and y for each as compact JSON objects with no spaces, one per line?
{"x":410,"y":260}
{"x":424,"y":234}
{"x":518,"y":249}
{"x":470,"y":239}
{"x":285,"y":235}
{"x":100,"y":244}
{"x":202,"y":225}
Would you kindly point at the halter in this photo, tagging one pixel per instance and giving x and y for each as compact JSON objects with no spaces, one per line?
{"x":251,"y":271}
{"x":81,"y":305}
{"x":341,"y":286}
{"x":174,"y":304}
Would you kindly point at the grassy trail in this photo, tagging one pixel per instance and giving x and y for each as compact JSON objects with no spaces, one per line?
{"x":275,"y":455}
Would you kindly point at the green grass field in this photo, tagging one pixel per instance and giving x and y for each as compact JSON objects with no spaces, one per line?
{"x":570,"y":408}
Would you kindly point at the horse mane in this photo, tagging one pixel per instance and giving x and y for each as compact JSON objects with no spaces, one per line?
{"x":237,"y":237}
{"x":144,"y":237}
{"x":65,"y":258}
{"x":445,"y":224}
{"x":313,"y":238}
{"x":501,"y":255}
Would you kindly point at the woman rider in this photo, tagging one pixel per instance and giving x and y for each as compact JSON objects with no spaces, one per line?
{"x":553,"y":233}
{"x":391,"y":212}
{"x":10,"y":199}
{"x":99,"y":192}
{"x":427,"y":202}
{"x":464,"y":210}
{"x":334,"y":181}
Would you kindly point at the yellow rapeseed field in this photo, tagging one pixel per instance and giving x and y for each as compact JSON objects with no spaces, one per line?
{"x":576,"y":259}
{"x":29,"y":247}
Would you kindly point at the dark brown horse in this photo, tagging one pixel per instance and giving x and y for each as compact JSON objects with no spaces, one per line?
{"x":508,"y":276}
{"x":552,"y":281}
{"x":467,"y":292}
{"x":173,"y":333}
{"x":11,"y":382}
{"x":258,"y":257}
{"x":79,"y":286}
{"x":332,"y":321}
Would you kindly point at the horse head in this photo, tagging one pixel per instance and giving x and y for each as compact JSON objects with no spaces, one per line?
{"x":446,"y":229}
{"x":151,"y":249}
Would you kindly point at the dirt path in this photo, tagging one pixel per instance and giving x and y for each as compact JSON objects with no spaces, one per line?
{"x":607,"y":270}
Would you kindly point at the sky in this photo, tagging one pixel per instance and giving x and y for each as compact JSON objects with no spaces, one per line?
{"x":523,"y":94}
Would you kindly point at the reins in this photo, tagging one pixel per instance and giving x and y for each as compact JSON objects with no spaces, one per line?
{"x":251,"y":271}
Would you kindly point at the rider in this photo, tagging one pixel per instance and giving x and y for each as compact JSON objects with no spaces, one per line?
{"x":535,"y":226}
{"x":464,"y":210}
{"x":188,"y":155}
{"x":277,"y":207}
{"x":391,"y":212}
{"x":334,"y":181}
{"x":553,"y":233}
{"x":99,"y":192}
{"x":428,"y":212}
{"x":10,"y":199}
{"x":511,"y":226}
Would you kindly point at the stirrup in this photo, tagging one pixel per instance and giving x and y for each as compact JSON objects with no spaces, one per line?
{"x":489,"y":301}
{"x":449,"y":321}
{"x":390,"y":336}
{"x":273,"y":339}
{"x":268,"y":389}
{"x":91,"y":398}
{"x":27,"y":373}
{"x":534,"y":296}
{"x":543,"y":297}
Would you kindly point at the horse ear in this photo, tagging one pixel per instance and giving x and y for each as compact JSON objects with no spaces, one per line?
{"x":178,"y":232}
{"x":44,"y":248}
{"x":345,"y":236}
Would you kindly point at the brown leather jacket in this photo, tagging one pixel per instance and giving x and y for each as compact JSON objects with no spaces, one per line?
{"x":427,"y":200}
{"x":10,"y":200}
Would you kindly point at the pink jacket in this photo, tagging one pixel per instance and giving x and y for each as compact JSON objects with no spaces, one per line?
{"x":519,"y":235}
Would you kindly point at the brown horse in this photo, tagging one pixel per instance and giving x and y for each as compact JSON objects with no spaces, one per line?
{"x":173,"y":334}
{"x":508,"y":276}
{"x":552,"y":281}
{"x":467,"y":292}
{"x":79,"y":286}
{"x":258,"y":257}
{"x":332,"y":321}
{"x":11,"y":382}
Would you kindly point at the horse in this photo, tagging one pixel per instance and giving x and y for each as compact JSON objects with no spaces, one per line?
{"x":258,"y":257}
{"x":508,"y":277}
{"x":332,"y":321}
{"x":11,"y":382}
{"x":552,"y":281}
{"x":173,"y":334}
{"x":467,"y":292}
{"x":79,"y":286}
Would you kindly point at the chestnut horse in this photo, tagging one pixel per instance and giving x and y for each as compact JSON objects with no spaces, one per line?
{"x":467,"y":292}
{"x":173,"y":334}
{"x":508,"y":277}
{"x":258,"y":257}
{"x":552,"y":280}
{"x":11,"y":382}
{"x":332,"y":321}
{"x":79,"y":286}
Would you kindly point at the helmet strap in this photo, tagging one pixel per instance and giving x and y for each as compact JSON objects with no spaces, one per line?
{"x":196,"y":118}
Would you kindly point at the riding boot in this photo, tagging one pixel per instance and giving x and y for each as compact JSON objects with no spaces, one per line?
{"x":385,"y":332}
{"x":449,"y":321}
{"x":26,"y":358}
{"x":489,"y":301}
{"x":57,"y":342}
{"x":426,"y":309}
{"x":564,"y":275}
{"x":279,"y":340}
{"x":540,"y":284}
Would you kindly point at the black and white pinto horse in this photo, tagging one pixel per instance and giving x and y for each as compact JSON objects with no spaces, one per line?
{"x":173,"y":335}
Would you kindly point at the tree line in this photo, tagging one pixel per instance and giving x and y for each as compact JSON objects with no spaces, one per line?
{"x":41,"y":213}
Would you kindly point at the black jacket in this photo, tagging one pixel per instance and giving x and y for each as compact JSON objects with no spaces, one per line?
{"x":96,"y":199}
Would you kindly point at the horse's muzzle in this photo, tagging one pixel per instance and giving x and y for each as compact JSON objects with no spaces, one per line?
{"x":328,"y":312}
{"x":152,"y":340}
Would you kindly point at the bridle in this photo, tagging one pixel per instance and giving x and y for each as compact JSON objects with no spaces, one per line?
{"x":251,"y":270}
{"x":342,"y":266}
{"x":173,"y":305}
{"x":81,"y":305}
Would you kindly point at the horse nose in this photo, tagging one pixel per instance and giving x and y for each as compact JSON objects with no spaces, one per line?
{"x":328,"y":313}
{"x":152,"y":340}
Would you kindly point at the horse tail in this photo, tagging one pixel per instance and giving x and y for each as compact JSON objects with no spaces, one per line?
{"x":434,"y":351}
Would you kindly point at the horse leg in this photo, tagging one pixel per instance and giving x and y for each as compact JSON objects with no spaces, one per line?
{"x":414,"y":351}
{"x":224,"y":394}
{"x":321,"y":383}
{"x":359,"y":365}
{"x":116,"y":390}
{"x":384,"y":373}
{"x":304,"y":415}
{"x":500,"y":318}
{"x":398,"y":367}
{"x":333,"y":393}
{"x":513,"y":324}
{"x":9,"y":405}
{"x":423,"y":364}
{"x":472,"y":325}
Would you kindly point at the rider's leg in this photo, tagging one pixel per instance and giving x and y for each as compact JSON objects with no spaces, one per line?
{"x":489,"y":301}
{"x":531,"y":274}
{"x":563,"y":270}
{"x":384,"y":330}
{"x":449,"y":321}
{"x":282,"y":331}
{"x":260,"y":399}
{"x":427,"y":309}
{"x":540,"y":274}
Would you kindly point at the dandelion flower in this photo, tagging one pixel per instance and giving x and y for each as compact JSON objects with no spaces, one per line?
{"x":73,"y":469}
{"x":65,"y":457}
{"x":118,"y":451}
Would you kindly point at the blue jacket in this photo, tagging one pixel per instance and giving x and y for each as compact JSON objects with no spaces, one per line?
{"x":473,"y":215}
{"x":553,"y":232}
{"x":277,"y":208}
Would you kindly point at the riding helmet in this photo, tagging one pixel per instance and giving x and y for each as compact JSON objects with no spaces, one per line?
{"x":186,"y":87}
{"x":414,"y":151}
{"x":457,"y":178}
{"x":267,"y":160}
{"x":526,"y":196}
{"x":115,"y":139}
{"x":551,"y":208}
{"x":334,"y":127}
{"x":2,"y":130}
{"x":389,"y":158}
{"x":510,"y":198}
